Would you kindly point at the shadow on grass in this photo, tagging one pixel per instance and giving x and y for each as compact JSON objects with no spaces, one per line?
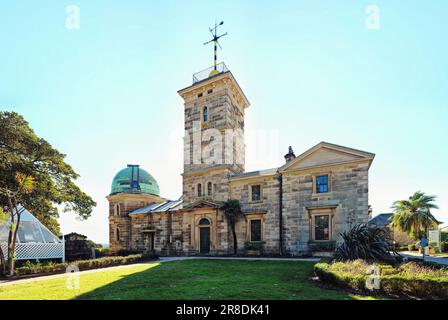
{"x":218,"y":279}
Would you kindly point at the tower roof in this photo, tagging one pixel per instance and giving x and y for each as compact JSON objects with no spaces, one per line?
{"x":122,"y":181}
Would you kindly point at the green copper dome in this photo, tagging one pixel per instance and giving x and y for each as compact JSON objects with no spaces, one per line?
{"x":143,"y":182}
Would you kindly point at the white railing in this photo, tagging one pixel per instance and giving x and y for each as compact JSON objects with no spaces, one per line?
{"x":209,"y":72}
{"x":32,"y":251}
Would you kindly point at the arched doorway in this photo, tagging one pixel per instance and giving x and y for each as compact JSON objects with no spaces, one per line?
{"x":204,"y":236}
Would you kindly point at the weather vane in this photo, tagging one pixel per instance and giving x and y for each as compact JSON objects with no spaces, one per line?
{"x":214,"y":32}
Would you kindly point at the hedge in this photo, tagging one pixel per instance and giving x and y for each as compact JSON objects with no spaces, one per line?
{"x":104,"y":262}
{"x":421,"y":286}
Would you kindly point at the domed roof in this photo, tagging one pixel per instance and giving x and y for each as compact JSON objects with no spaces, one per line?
{"x":143,"y":181}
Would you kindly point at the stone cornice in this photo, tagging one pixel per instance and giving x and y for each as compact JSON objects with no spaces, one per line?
{"x":225,"y":78}
{"x":252,"y":178}
{"x":201,"y":171}
{"x":122,"y":197}
{"x":326,"y":166}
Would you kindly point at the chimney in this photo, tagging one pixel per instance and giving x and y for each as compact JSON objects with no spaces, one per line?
{"x":290,"y":155}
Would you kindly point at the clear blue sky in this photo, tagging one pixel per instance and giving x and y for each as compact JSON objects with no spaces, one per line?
{"x":106,"y":94}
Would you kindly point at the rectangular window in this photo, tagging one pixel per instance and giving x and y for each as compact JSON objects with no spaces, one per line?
{"x":205,"y":114}
{"x":322,"y":184}
{"x":256,"y":192}
{"x":322,"y":227}
{"x":255,"y":230}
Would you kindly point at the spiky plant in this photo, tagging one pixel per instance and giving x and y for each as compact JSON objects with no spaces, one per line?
{"x":365,"y":242}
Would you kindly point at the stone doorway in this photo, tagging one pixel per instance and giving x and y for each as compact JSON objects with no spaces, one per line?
{"x":149,"y":241}
{"x":204,"y":236}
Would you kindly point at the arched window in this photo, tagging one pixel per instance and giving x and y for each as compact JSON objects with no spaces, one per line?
{"x":117,"y":210}
{"x":209,"y":189}
{"x":199,"y":190}
{"x":205,"y":114}
{"x":204,"y":222}
{"x":117,"y":234}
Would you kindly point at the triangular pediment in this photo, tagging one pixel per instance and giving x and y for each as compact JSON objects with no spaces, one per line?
{"x":326,"y":154}
{"x":202,"y":204}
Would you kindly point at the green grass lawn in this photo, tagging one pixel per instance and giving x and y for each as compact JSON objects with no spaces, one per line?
{"x":186,"y":279}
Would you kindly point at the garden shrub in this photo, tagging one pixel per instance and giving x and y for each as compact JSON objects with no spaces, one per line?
{"x":430,"y":264}
{"x":411,"y":278}
{"x":104,"y":252}
{"x":128,"y":252}
{"x":366,"y":242}
{"x":37,"y":268}
{"x":444,"y":246}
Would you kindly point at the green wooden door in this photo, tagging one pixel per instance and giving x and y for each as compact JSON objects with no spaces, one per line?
{"x":204,"y":239}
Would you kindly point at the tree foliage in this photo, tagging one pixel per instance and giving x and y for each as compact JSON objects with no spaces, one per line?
{"x":36,"y":175}
{"x":22,"y":151}
{"x":232,"y":210}
{"x":413,"y":216}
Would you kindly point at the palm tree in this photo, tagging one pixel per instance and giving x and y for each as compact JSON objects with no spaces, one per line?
{"x":414,"y":216}
{"x":232,"y":210}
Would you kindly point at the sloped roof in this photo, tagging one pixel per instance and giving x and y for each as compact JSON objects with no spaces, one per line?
{"x":169,"y":205}
{"x":381,"y":220}
{"x":31,"y":230}
{"x":258,"y":173}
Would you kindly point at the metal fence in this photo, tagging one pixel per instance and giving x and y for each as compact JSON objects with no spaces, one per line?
{"x":33,"y":251}
{"x":209,"y":72}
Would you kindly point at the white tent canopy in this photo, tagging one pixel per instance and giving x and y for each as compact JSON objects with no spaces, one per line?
{"x":34,"y":240}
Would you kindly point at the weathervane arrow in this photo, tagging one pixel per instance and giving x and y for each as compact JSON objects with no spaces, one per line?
{"x":214,"y":32}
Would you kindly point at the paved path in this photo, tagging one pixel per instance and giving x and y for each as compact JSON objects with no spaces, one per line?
{"x":409,"y":254}
{"x":161,"y":260}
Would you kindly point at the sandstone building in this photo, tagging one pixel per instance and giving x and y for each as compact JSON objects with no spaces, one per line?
{"x":296,"y":209}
